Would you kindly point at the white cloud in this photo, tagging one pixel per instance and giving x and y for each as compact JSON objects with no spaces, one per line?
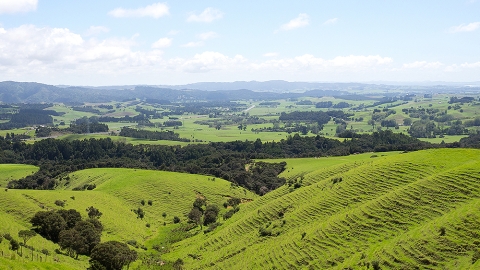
{"x":173,"y":32}
{"x":31,"y":50}
{"x":208,"y":15}
{"x":156,"y":11}
{"x":193,"y":44}
{"x":271,"y":54}
{"x":17,"y":6}
{"x":207,"y":35}
{"x":162,"y":43}
{"x":96,"y":30}
{"x":301,"y":21}
{"x":330,"y":21}
{"x":208,"y":61}
{"x":465,"y":27}
{"x":423,"y":65}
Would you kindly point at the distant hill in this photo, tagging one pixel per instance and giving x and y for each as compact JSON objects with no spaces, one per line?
{"x":31,"y":92}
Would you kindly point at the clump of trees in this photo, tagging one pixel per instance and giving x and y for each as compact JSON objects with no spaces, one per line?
{"x":66,"y":227}
{"x":203,"y":214}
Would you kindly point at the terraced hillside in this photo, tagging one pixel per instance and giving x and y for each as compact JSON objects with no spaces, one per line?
{"x":117,"y":193}
{"x":415,"y":210}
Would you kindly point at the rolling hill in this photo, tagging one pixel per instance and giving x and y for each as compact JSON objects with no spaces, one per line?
{"x":417,"y":210}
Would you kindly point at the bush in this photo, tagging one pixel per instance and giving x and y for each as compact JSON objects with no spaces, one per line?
{"x":14,"y":245}
{"x":7,"y":236}
{"x":132,"y":243}
{"x":178,"y":264}
{"x":212,"y":227}
{"x":60,"y":203}
{"x":376,"y":265}
{"x":176,"y":219}
{"x":142,"y":202}
{"x":150,"y":202}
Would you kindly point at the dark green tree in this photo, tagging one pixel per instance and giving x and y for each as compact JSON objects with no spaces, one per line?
{"x":112,"y":255}
{"x":26,"y":235}
{"x":210,"y":215}
{"x":49,"y":224}
{"x":14,"y":245}
{"x":93,"y":212}
{"x":195,"y":216}
{"x":71,"y":217}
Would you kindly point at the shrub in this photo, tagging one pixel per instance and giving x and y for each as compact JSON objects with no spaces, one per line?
{"x":132,"y":243}
{"x":7,"y":236}
{"x":150,"y":202}
{"x":148,"y":225}
{"x":142,"y":202}
{"x":176,"y":219}
{"x":442,"y":231}
{"x":178,"y":264}
{"x":164,"y":215}
{"x":376,"y":265}
{"x":228,"y":214}
{"x":60,"y":203}
{"x":14,"y":245}
{"x":212,"y":227}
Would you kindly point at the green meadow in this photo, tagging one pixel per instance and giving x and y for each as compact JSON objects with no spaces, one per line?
{"x":390,"y":210}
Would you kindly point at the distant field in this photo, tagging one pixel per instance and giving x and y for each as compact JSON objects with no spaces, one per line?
{"x":10,"y":172}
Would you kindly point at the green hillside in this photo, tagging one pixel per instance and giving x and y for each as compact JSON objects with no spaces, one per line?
{"x":417,"y":210}
{"x":14,"y":171}
{"x":403,"y":211}
{"x":117,"y":193}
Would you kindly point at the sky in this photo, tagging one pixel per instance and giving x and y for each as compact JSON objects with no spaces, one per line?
{"x":122,"y":42}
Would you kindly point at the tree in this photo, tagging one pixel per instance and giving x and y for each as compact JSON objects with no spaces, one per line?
{"x":112,"y":255}
{"x":175,"y":220}
{"x":199,"y":203}
{"x":407,"y":121}
{"x":93,"y":212}
{"x":26,"y":235}
{"x":72,"y":242}
{"x":195,"y":215}
{"x":14,"y":245}
{"x":49,"y":224}
{"x":211,"y":213}
{"x":71,"y":217}
{"x":140,"y":213}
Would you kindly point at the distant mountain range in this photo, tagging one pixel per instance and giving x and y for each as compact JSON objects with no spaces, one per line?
{"x":31,"y":92}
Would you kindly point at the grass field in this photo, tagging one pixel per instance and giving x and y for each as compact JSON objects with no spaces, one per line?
{"x":417,"y":210}
{"x":118,"y":192}
{"x":10,"y":172}
{"x":388,"y":210}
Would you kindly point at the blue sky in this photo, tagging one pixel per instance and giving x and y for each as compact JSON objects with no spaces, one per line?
{"x":147,"y":42}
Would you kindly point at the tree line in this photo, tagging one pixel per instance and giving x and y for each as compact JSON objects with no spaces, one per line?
{"x":226,"y":160}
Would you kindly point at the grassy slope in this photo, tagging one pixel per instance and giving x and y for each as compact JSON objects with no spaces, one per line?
{"x":386,"y":209}
{"x":10,"y":172}
{"x":118,"y":192}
